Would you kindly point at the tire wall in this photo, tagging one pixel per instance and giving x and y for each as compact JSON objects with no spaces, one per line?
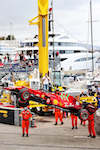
{"x":97,"y":121}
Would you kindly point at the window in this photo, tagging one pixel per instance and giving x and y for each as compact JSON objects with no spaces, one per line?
{"x":62,"y":51}
{"x":51,"y":43}
{"x":69,"y":51}
{"x":62,"y":59}
{"x":84,"y":59}
{"x":77,"y":51}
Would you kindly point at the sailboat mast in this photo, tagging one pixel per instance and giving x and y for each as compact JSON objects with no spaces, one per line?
{"x":53,"y":33}
{"x":91,"y":35}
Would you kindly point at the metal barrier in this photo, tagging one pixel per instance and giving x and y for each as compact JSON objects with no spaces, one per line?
{"x":11,"y":116}
{"x":53,"y":63}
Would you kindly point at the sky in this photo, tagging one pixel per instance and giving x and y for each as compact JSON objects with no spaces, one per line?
{"x":70,"y":17}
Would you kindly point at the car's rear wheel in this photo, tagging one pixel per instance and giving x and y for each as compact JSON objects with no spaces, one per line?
{"x":24,"y":94}
{"x":83,"y":114}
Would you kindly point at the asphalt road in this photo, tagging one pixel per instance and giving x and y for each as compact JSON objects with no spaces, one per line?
{"x":46,"y":136}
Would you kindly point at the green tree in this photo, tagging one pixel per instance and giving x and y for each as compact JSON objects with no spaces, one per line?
{"x":2,"y":38}
{"x":9,"y":37}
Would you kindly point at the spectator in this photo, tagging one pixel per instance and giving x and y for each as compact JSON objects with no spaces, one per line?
{"x":21,"y":56}
{"x":45,"y":82}
{"x":34,"y":58}
{"x":30,"y":54}
{"x":8,"y":57}
{"x":4,"y":59}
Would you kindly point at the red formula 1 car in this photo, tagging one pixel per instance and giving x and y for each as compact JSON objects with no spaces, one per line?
{"x":58,"y":100}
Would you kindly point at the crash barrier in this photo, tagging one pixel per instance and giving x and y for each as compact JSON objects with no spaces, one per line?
{"x":97,"y":121}
{"x":11,"y":116}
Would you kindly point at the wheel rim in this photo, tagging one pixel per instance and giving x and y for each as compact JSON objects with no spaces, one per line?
{"x":84,"y":115}
{"x":26,"y":95}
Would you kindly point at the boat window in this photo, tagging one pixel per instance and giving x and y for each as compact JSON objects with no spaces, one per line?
{"x":27,"y":44}
{"x":55,"y":44}
{"x":77,"y":51}
{"x":54,"y":35}
{"x":63,"y":44}
{"x":62,"y":51}
{"x":62,"y":59}
{"x":59,"y":44}
{"x":69,"y":51}
{"x":84,"y":59}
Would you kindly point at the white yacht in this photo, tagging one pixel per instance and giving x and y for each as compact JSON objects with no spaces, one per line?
{"x":8,"y":46}
{"x":5,"y":48}
{"x":73,"y":55}
{"x":79,"y":61}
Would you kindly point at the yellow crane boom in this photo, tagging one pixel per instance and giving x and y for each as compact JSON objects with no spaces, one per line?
{"x":43,"y":35}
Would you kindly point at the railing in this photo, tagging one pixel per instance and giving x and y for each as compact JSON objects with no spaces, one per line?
{"x":15,"y":67}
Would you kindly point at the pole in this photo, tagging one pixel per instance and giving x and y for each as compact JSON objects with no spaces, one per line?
{"x":11,"y":37}
{"x":87,"y":46}
{"x":53,"y":41}
{"x":53,"y":33}
{"x":91,"y":36}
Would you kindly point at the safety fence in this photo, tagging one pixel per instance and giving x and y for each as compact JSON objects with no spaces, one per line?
{"x":15,"y":67}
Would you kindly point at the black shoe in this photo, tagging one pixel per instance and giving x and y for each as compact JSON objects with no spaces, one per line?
{"x":76,"y":127}
{"x":27,"y":135}
{"x":23,"y":135}
{"x":73,"y":127}
{"x":55,"y":123}
{"x":89,"y":135}
{"x":93,"y":136}
{"x":62,"y":123}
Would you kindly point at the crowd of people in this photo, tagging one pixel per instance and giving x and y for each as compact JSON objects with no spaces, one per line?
{"x":28,"y":60}
{"x":24,"y":60}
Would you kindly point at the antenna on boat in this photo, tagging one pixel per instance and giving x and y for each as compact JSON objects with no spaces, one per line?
{"x":53,"y":40}
{"x":87,"y":45}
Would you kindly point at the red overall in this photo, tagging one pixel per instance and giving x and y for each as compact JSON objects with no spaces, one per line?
{"x":82,"y":121}
{"x":58,"y":114}
{"x":25,"y":122}
{"x":74,"y":120}
{"x":91,"y":125}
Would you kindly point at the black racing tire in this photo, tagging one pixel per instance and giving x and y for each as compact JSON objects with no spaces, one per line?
{"x":24,"y":94}
{"x":83,"y":114}
{"x":23,"y":104}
